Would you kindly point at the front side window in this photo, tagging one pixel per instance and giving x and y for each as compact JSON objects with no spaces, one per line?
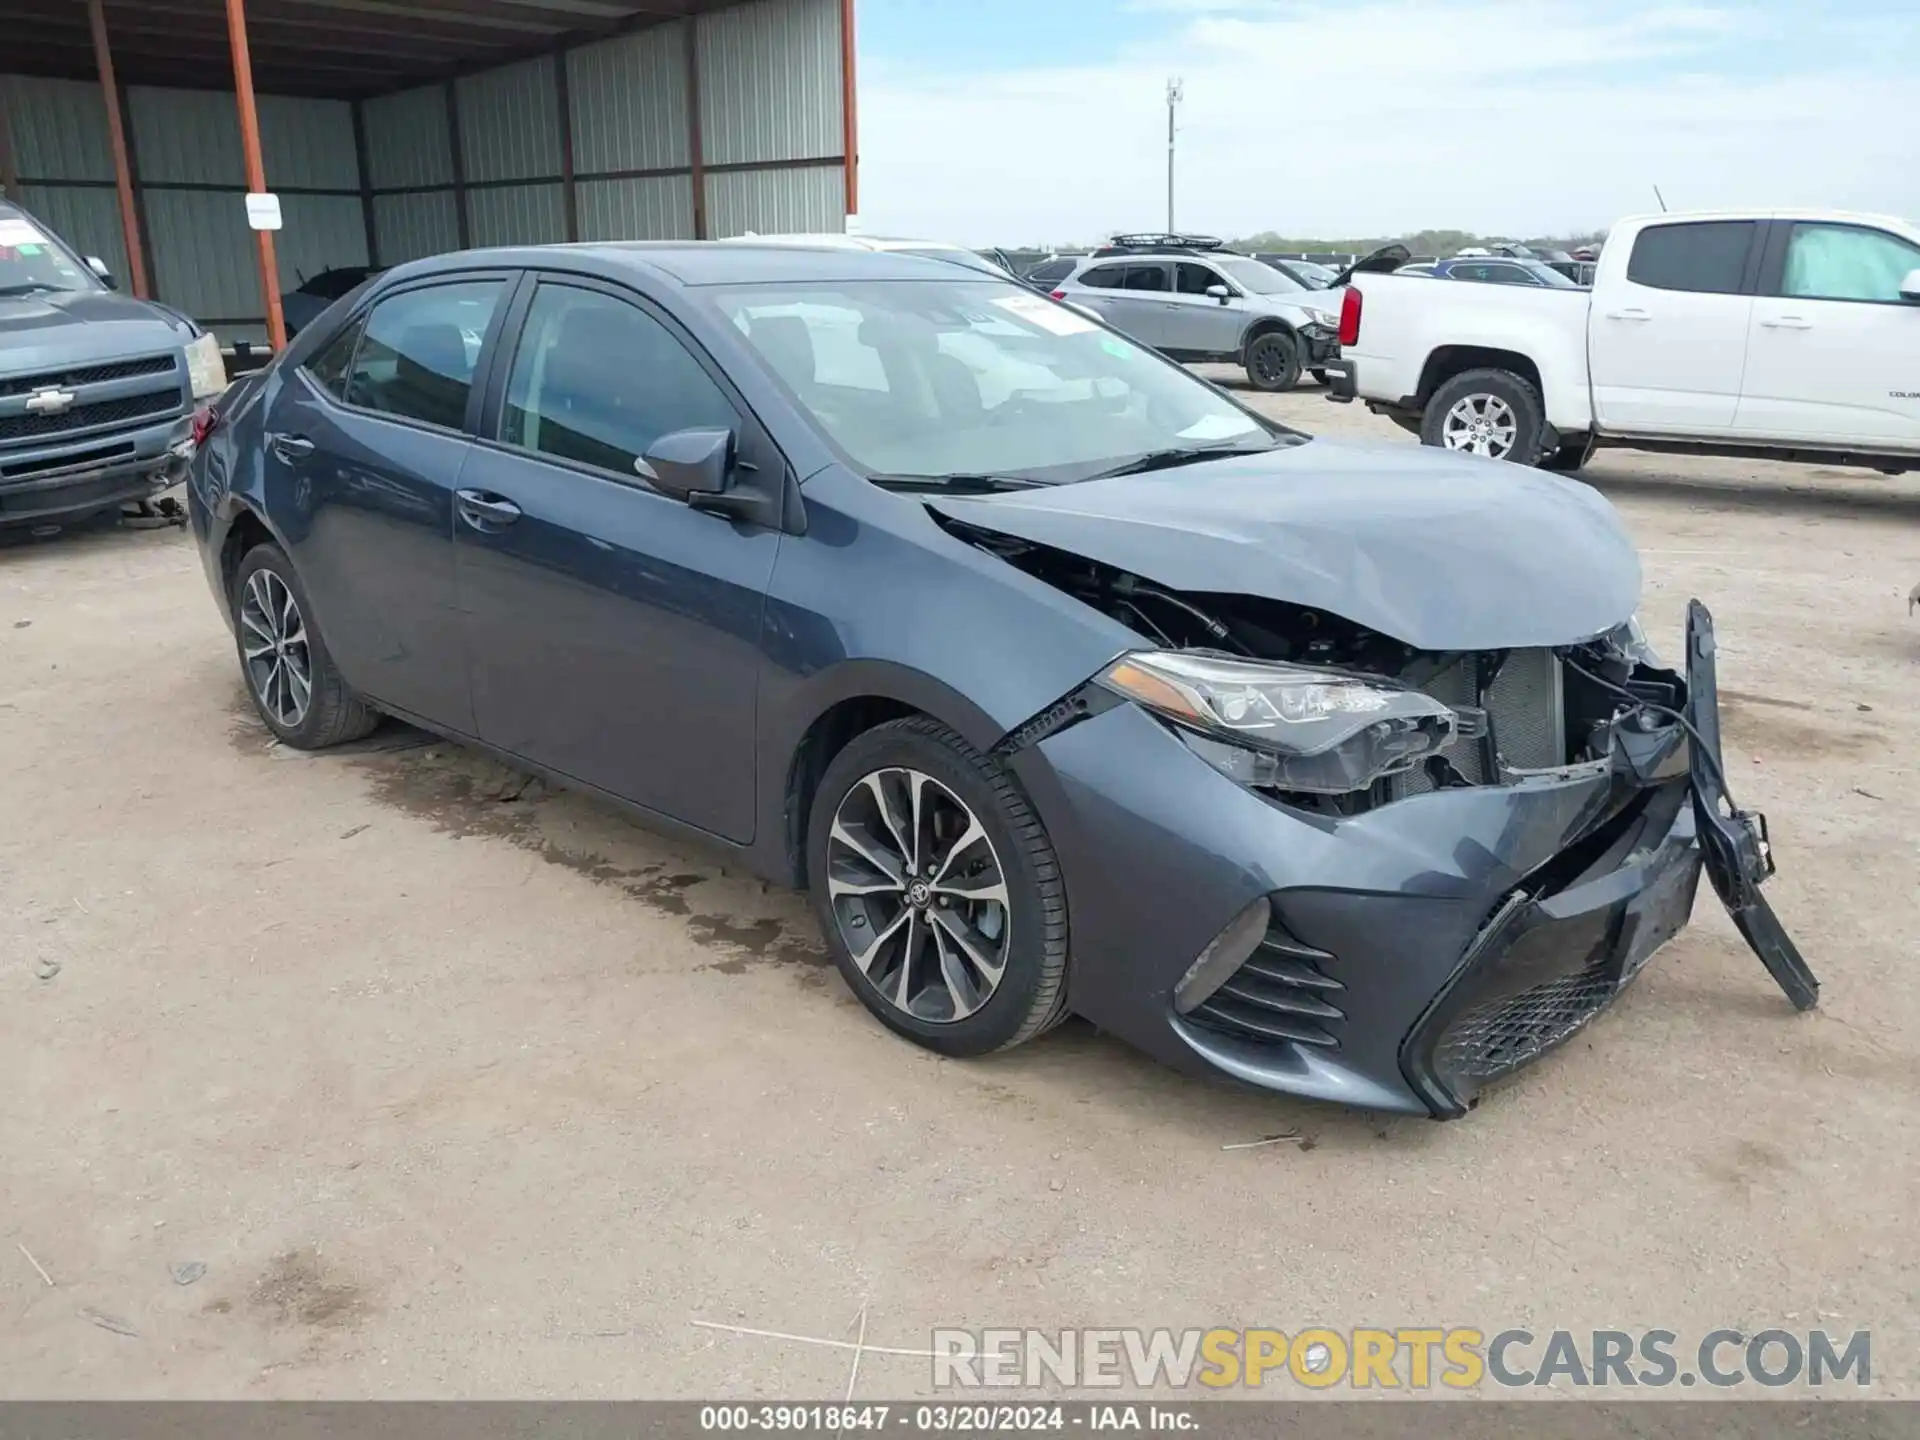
{"x":936,"y":378}
{"x":1703,"y":256}
{"x":596,"y":380}
{"x":1191,"y":279}
{"x":420,"y":350}
{"x":1847,"y":262}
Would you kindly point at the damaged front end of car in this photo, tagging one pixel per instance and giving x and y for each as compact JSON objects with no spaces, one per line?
{"x":1430,"y":867}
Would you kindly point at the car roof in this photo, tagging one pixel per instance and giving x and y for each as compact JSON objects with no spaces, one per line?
{"x":706,"y":262}
{"x":1810,"y":213}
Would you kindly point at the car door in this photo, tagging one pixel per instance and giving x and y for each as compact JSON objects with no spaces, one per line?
{"x":613,"y":631}
{"x":1834,"y":355}
{"x":1667,"y":339}
{"x":1133,"y":297}
{"x":1199,"y":323}
{"x":364,"y":446}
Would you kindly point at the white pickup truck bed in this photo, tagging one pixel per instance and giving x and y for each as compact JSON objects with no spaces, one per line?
{"x":1791,"y":335}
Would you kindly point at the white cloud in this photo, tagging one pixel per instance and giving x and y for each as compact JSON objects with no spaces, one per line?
{"x":1501,"y":116}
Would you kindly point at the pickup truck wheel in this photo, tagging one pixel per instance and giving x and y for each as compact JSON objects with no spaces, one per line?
{"x":1273,"y":361}
{"x":1494,"y":413}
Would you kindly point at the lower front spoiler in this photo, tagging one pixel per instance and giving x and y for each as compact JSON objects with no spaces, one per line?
{"x":51,"y":497}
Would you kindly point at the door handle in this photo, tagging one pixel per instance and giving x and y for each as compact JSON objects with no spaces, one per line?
{"x":1788,"y":322}
{"x":1628,"y":315}
{"x":484,"y":511}
{"x":290,"y":448}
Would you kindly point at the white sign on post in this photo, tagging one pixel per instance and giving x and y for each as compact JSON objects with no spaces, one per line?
{"x":263,"y":211}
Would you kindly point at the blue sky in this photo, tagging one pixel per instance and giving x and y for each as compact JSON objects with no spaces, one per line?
{"x":994,"y":121}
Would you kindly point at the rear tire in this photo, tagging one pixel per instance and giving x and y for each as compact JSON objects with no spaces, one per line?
{"x":289,"y":674}
{"x":1273,"y":361}
{"x":923,"y":944}
{"x":1493,"y":413}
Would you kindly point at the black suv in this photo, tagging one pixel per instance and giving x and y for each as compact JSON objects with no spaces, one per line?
{"x":97,"y":389}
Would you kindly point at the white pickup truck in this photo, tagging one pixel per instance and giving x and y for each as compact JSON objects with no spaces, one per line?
{"x":1792,"y":335}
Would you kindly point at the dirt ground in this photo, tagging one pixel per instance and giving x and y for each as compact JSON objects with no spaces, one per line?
{"x":428,"y":1082}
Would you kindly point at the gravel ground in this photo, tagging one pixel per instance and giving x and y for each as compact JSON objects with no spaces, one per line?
{"x":428,"y":1082}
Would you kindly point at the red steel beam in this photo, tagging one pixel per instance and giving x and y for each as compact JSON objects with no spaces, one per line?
{"x":256,"y":167}
{"x":849,"y":110}
{"x":117,"y":137}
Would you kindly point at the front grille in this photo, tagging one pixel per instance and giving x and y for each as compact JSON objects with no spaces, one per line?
{"x":1500,"y":1036}
{"x":1525,"y":713}
{"x":1281,"y":993}
{"x":86,"y":417}
{"x":87,"y":375}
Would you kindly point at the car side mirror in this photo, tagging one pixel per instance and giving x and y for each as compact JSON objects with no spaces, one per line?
{"x":1910,"y":287}
{"x":689,"y":463}
{"x":1220,"y":293}
{"x":99,"y":268}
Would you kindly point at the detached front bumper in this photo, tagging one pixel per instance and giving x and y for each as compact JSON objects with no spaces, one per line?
{"x":48,"y":483}
{"x":1412,"y":953}
{"x":1322,"y":345}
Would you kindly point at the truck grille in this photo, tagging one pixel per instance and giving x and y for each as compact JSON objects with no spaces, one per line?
{"x":1280,"y":993}
{"x":1525,"y":713}
{"x":86,"y":417}
{"x":87,"y":375}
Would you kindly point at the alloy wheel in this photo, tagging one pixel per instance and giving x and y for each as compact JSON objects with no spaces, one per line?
{"x":919,"y":895}
{"x":1480,"y":425}
{"x":273,"y":643}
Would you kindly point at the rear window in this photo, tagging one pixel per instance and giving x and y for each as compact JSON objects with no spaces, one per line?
{"x":1706,"y":256}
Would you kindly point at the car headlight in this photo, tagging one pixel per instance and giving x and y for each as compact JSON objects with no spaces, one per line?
{"x":1324,"y":317}
{"x":206,"y":370}
{"x":1286,"y":727}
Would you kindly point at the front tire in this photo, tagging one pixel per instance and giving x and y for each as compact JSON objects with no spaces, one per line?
{"x":938,"y":891}
{"x":1273,"y":361}
{"x":1492,"y":413}
{"x":289,"y":674}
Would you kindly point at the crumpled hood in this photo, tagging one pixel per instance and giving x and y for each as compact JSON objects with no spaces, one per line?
{"x":43,"y":330}
{"x":1441,"y":551}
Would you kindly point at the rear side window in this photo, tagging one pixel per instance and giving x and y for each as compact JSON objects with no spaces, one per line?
{"x":1847,"y":262}
{"x":597,"y":381}
{"x":1705,"y":256}
{"x":329,"y":366}
{"x":1105,"y":277}
{"x":421,"y":347}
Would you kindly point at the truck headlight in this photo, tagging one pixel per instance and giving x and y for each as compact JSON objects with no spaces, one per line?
{"x":1286,"y":727}
{"x":206,"y":370}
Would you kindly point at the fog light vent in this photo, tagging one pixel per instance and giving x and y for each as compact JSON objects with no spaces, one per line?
{"x":1279,"y":992}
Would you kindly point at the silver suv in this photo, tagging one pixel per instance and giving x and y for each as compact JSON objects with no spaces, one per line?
{"x":1192,"y":300}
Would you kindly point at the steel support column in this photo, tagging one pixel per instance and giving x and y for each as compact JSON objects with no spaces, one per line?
{"x":563,"y":102}
{"x":9,"y":162}
{"x":696,"y":160}
{"x":849,"y":109}
{"x":117,"y":139}
{"x":256,"y":167}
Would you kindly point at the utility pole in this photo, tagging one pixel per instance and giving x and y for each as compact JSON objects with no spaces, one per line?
{"x":1176,"y":92}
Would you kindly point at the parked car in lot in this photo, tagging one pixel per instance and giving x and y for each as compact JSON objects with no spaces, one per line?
{"x":96,"y":388}
{"x":1193,"y":301}
{"x":1493,"y":270}
{"x":1062,"y":682}
{"x":301,"y":306}
{"x":1790,"y":335}
{"x":1312,"y":276}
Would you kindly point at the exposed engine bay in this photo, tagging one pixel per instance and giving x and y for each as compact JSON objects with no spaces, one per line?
{"x":1519,"y":712}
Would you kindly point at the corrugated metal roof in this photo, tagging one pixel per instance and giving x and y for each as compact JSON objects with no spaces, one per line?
{"x":308,"y":142}
{"x":185,"y":137}
{"x":87,"y":218}
{"x":406,"y":227}
{"x":517,"y":215}
{"x":770,"y":82}
{"x":203,"y":261}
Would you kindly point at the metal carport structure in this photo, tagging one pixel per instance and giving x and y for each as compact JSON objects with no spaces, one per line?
{"x":397,"y":128}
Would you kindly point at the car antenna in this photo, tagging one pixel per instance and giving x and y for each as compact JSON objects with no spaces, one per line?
{"x":1661,"y":198}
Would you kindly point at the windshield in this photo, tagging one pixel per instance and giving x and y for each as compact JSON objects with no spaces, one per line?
{"x":33,"y":261}
{"x":1257,"y":277}
{"x":937,"y":378}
